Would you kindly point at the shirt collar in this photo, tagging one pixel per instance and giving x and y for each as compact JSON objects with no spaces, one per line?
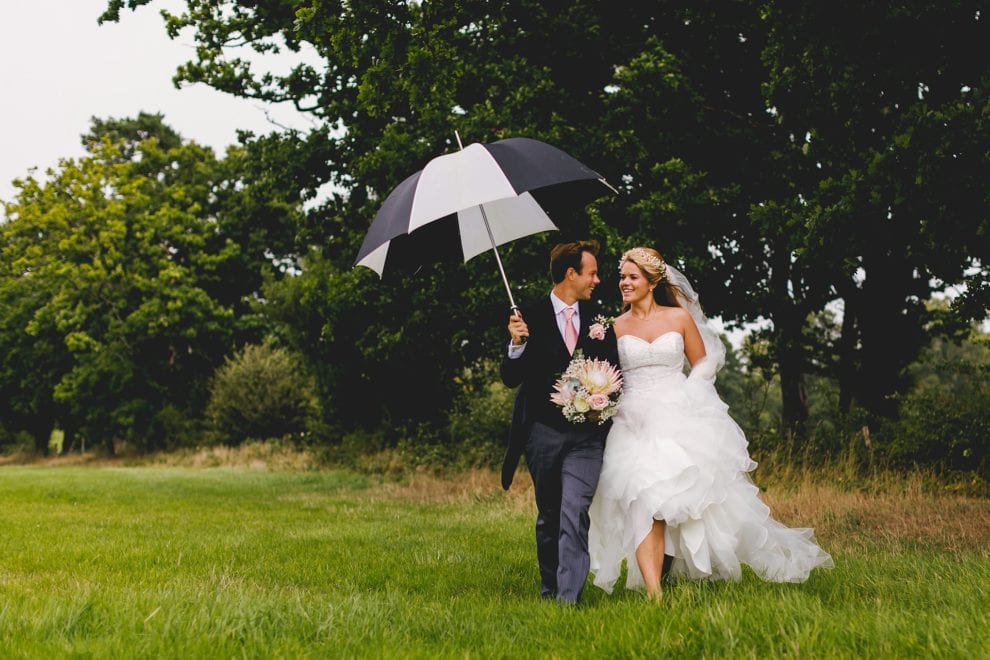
{"x":559,"y":305}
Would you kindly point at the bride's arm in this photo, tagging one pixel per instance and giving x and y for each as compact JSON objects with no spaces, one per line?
{"x":694,"y":346}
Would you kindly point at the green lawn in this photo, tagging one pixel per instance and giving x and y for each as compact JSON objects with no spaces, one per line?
{"x":175,"y":562}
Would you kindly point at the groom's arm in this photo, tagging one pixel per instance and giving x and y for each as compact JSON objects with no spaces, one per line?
{"x":513,"y":368}
{"x":512,"y":371}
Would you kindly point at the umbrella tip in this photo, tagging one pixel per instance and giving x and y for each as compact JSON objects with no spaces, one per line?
{"x":609,"y":185}
{"x":458,"y":136}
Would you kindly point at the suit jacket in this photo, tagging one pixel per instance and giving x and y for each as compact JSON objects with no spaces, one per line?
{"x":538,"y":368}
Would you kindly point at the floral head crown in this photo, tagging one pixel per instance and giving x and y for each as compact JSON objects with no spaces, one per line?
{"x":644,"y":258}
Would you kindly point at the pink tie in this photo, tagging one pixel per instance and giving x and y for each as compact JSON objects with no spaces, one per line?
{"x":570,"y":332}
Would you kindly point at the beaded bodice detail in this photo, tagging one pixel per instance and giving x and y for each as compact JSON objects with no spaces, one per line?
{"x":646,"y":364}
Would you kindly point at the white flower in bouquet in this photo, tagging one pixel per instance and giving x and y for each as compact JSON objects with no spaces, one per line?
{"x":588,"y":390}
{"x":598,"y":382}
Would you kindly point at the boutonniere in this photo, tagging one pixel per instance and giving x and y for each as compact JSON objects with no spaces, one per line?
{"x":600,"y":326}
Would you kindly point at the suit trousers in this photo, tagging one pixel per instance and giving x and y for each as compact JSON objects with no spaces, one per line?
{"x":565,"y":466}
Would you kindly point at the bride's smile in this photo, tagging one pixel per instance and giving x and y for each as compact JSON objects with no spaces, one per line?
{"x":632,"y":285}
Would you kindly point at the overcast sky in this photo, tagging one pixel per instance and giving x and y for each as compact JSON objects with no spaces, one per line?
{"x":59,"y":68}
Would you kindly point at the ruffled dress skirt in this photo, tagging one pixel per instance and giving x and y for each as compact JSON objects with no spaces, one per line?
{"x":674,"y":454}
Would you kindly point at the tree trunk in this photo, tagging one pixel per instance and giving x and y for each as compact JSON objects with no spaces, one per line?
{"x":68,"y":437}
{"x":847,"y":350}
{"x":891,"y":332}
{"x":793,"y":391}
{"x":41,"y":431}
{"x":788,"y":321}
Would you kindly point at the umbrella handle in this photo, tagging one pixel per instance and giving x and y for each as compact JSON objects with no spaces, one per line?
{"x":518,"y":314}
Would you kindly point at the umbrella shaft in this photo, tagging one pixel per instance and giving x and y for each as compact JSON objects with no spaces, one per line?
{"x":498,"y":259}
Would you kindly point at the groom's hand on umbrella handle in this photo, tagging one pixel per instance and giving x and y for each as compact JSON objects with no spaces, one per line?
{"x":517,"y":327}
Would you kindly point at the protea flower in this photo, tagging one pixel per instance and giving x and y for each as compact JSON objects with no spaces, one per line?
{"x":588,"y":390}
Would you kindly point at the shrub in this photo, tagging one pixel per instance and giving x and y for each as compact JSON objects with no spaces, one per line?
{"x":482,"y":417}
{"x":261,"y":392}
{"x":945,"y":417}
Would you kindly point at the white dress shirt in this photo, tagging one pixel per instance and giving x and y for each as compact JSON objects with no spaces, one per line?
{"x":558,"y":310}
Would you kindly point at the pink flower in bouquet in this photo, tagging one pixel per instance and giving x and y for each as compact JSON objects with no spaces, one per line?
{"x":598,"y":401}
{"x":588,"y":390}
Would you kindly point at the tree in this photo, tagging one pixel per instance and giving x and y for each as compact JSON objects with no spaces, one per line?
{"x":116,"y":285}
{"x":397,"y":79}
{"x":749,"y":141}
{"x":32,"y":360}
{"x":892,"y":107}
{"x":715,"y":179}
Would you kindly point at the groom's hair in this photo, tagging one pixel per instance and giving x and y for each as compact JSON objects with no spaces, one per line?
{"x":569,"y":255}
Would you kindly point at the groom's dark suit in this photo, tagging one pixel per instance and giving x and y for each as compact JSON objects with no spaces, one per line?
{"x":563,"y":458}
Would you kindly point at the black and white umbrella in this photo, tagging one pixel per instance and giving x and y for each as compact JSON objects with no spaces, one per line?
{"x":472,"y":201}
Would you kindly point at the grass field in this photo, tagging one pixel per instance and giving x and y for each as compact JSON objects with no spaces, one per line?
{"x":231,"y":562}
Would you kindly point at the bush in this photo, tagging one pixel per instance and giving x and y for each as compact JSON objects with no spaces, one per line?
{"x":482,"y":418}
{"x":261,"y":392}
{"x":16,"y":442}
{"x":945,"y":417}
{"x":172,"y":428}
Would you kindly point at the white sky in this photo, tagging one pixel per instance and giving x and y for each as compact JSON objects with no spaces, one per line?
{"x":59,"y":68}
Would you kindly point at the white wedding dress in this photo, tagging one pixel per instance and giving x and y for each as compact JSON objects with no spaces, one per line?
{"x":674,"y":454}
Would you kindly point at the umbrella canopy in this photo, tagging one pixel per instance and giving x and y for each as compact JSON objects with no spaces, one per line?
{"x":471,"y":201}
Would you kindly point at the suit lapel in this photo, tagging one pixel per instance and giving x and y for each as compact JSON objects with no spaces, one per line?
{"x":555,"y":339}
{"x":584,"y":310}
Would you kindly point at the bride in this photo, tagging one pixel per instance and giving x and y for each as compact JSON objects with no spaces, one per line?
{"x":674,"y":478}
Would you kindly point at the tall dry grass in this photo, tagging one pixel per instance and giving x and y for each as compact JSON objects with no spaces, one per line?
{"x":846,"y":502}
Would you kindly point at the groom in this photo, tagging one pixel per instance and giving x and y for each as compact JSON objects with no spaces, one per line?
{"x":564,"y":458}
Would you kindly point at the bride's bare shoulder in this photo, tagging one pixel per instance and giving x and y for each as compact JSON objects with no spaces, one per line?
{"x":682,"y":317}
{"x":620,"y":322}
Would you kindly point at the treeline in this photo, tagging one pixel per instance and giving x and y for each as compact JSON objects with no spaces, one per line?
{"x":792,"y":158}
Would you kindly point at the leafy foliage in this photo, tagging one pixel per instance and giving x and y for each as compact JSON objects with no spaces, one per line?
{"x":945,"y":418}
{"x":261,"y":392}
{"x":795,"y":159}
{"x":120,"y":285}
{"x":762,"y":153}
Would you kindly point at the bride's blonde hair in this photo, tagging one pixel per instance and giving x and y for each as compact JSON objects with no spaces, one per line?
{"x":654,"y":269}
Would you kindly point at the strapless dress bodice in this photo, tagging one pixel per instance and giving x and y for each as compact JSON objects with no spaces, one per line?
{"x":646,"y":364}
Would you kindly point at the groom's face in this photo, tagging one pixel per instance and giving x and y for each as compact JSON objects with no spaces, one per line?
{"x":586,"y":281}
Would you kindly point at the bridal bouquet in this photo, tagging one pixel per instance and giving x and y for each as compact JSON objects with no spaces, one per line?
{"x":588,"y":390}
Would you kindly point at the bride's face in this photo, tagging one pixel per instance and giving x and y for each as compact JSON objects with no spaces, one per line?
{"x":633,"y":285}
